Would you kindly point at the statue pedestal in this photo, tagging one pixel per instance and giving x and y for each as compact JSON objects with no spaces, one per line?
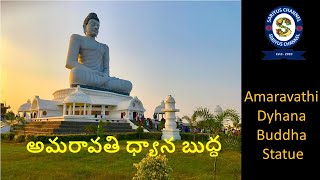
{"x":168,"y":133}
{"x":92,"y":105}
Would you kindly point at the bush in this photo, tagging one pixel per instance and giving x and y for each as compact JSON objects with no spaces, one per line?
{"x":10,"y":115}
{"x":161,"y":125}
{"x":28,"y":138}
{"x":108,"y":123}
{"x":153,"y":168}
{"x":126,"y":136}
{"x":194,"y":137}
{"x":19,"y":138}
{"x":139,"y":130}
{"x":91,"y":129}
{"x":151,"y":135}
{"x":230,"y":142}
{"x":7,"y":136}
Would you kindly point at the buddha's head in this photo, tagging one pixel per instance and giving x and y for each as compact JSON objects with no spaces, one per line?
{"x":91,"y":25}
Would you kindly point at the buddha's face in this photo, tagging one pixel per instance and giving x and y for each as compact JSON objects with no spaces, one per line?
{"x":92,"y":28}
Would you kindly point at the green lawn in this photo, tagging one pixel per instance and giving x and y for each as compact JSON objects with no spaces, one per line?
{"x":18,"y":163}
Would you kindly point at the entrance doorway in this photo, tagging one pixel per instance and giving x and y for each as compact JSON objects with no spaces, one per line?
{"x":122,"y":114}
{"x":134,"y":114}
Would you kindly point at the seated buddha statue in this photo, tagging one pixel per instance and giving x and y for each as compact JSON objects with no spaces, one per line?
{"x":88,"y":61}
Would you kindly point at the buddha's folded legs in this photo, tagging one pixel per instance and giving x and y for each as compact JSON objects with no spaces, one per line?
{"x":119,"y":85}
{"x":88,"y":78}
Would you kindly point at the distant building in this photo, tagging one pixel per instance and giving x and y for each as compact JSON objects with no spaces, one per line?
{"x":25,"y":110}
{"x":4,"y":109}
{"x":217,"y":110}
{"x":158,"y":111}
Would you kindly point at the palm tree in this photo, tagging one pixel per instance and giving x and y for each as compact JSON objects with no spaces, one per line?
{"x":211,"y":122}
{"x":237,"y":125}
{"x":202,"y":118}
{"x":199,"y":113}
{"x":192,"y":124}
{"x":215,"y":123}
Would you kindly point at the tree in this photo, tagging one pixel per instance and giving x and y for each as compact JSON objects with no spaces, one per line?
{"x":22,"y":123}
{"x":237,"y":125}
{"x":200,"y":113}
{"x":10,"y":115}
{"x":192,"y":122}
{"x":139,"y":131}
{"x":203,"y":119}
{"x":198,"y":118}
{"x":215,"y":122}
{"x":10,"y":119}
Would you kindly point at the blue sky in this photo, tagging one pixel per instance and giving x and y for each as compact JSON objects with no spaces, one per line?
{"x":190,"y":50}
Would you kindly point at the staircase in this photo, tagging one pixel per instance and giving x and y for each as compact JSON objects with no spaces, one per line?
{"x":68,"y":127}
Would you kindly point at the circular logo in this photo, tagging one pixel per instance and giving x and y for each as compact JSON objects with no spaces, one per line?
{"x":283,"y":27}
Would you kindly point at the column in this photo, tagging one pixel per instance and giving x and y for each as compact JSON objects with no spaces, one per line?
{"x":90,"y":109}
{"x":103,"y":110}
{"x":64,"y":109}
{"x":73,"y":108}
{"x":69,"y":111}
{"x":85,"y":109}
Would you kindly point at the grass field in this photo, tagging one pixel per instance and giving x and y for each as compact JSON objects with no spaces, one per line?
{"x":18,"y":163}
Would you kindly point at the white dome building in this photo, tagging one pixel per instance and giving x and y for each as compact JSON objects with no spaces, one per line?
{"x":25,"y":109}
{"x":130,"y":108}
{"x":158,"y":111}
{"x":43,"y":109}
{"x":84,"y":105}
{"x":217,"y":110}
{"x":227,"y":123}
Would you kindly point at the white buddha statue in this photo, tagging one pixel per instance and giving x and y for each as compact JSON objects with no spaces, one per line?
{"x":88,"y":60}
